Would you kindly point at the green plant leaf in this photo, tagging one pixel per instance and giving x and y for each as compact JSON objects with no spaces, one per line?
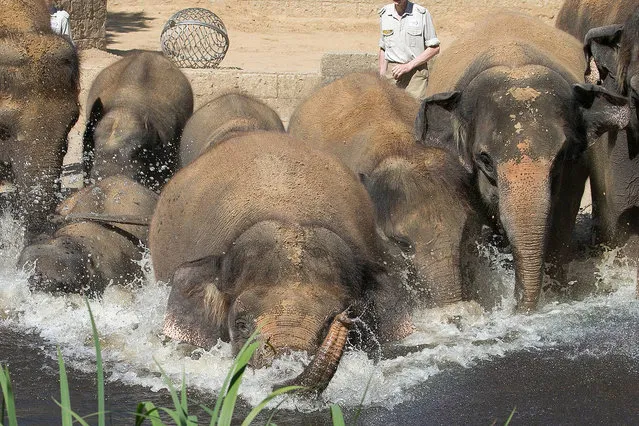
{"x":361,"y":402}
{"x":8,"y":398}
{"x":75,"y":415}
{"x":225,"y":386}
{"x":241,"y":361}
{"x":337,"y":415}
{"x":180,"y":410}
{"x":510,"y":417}
{"x":147,"y":410}
{"x":259,"y":407}
{"x":98,"y":361}
{"x":65,"y":399}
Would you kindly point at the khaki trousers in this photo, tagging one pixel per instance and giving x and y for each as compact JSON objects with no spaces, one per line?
{"x":414,"y":82}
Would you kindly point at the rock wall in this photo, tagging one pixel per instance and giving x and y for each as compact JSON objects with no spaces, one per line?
{"x":88,"y":22}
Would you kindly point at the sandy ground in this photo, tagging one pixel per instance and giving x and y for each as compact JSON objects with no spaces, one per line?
{"x":261,"y":42}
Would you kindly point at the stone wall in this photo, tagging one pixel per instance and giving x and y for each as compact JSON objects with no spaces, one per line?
{"x":88,"y":22}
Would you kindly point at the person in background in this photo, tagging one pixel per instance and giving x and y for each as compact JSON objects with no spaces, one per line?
{"x":60,"y":20}
{"x":408,"y":41}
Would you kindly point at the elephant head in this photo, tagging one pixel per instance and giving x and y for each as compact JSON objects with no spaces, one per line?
{"x":292,"y":284}
{"x":613,"y":50}
{"x":122,"y":141}
{"x":38,"y":106}
{"x":522,"y":132}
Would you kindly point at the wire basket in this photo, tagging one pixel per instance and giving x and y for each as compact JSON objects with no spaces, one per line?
{"x":195,"y":38}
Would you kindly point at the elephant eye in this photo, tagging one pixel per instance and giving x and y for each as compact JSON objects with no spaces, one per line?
{"x":487,"y":162}
{"x":242,"y":326}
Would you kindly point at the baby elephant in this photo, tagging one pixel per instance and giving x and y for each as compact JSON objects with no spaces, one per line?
{"x":222,"y":118}
{"x":89,"y":253}
{"x":137,"y":108}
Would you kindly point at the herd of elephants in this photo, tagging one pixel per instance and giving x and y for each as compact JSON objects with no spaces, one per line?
{"x":368,"y":206}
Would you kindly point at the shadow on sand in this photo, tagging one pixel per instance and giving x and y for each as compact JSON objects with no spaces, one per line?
{"x":124,"y":22}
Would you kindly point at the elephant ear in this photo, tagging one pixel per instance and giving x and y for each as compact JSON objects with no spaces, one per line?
{"x":88,"y":142}
{"x":196,"y":310}
{"x":603,"y":111}
{"x":438,"y":125}
{"x":601,"y":45}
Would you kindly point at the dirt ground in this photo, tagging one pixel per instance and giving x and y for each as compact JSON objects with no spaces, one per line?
{"x":260,"y":42}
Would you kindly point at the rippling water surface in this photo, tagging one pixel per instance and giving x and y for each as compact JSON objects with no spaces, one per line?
{"x":571,"y":362}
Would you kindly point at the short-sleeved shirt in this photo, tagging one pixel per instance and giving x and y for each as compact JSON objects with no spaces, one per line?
{"x":60,"y":23}
{"x":405,"y":37}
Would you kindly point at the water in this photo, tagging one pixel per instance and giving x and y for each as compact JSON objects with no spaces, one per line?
{"x":572,"y":362}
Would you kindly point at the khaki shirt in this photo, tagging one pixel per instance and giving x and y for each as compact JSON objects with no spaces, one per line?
{"x":405,"y":37}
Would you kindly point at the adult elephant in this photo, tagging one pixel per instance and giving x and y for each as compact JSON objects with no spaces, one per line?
{"x":136,"y":110}
{"x":222,"y":118}
{"x":423,"y":197}
{"x":611,"y":39}
{"x":507,"y":98}
{"x":261,"y":233}
{"x":38,"y":106}
{"x":101,"y":242}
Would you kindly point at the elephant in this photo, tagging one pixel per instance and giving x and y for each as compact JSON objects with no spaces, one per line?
{"x":507,"y":99}
{"x":424,"y":198}
{"x":222,"y":118}
{"x":136,"y":110}
{"x":39,"y":75}
{"x":611,"y":37}
{"x":102,"y":243}
{"x":262,"y":233}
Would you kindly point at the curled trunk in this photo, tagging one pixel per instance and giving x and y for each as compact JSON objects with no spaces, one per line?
{"x":320,"y":371}
{"x":524,"y":209}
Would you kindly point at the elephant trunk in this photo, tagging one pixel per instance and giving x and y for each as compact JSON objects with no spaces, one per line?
{"x":443,"y":272}
{"x":317,"y":375}
{"x":524,"y":209}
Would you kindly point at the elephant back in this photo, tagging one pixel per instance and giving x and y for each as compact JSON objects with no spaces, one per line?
{"x":24,"y":16}
{"x":364,"y":120}
{"x":256,"y":177}
{"x":576,"y":17}
{"x":507,"y":39}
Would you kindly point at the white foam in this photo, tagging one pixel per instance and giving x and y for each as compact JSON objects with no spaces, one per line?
{"x":129,"y":321}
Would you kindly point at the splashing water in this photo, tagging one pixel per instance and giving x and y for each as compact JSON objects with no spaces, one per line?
{"x":129,"y":321}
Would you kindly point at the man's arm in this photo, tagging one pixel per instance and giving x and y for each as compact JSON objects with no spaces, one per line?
{"x":383,"y":63}
{"x":421,"y":59}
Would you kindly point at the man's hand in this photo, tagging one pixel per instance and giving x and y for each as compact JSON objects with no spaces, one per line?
{"x":401,"y":69}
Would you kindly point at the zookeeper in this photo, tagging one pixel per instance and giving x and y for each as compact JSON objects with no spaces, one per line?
{"x":407,"y":42}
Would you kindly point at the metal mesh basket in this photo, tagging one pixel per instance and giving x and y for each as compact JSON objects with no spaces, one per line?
{"x":195,"y":38}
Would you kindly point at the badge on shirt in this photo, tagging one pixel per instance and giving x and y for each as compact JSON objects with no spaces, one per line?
{"x":387,"y":32}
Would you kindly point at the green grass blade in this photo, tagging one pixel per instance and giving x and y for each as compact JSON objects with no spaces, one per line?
{"x":241,"y":361}
{"x":65,"y":399}
{"x":225,"y":386}
{"x":510,"y":417}
{"x":100,"y":372}
{"x":75,"y":415}
{"x":180,"y":411}
{"x":259,"y":407}
{"x":8,"y":398}
{"x":361,"y":402}
{"x":147,"y":410}
{"x":337,"y":415}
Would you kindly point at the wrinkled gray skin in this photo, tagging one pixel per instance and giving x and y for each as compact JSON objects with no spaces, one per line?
{"x":612,"y":42}
{"x":222,"y":118}
{"x":260,"y":231}
{"x":84,"y":256}
{"x":38,"y":106}
{"x":511,"y":107}
{"x":423,"y":197}
{"x":136,"y":110}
